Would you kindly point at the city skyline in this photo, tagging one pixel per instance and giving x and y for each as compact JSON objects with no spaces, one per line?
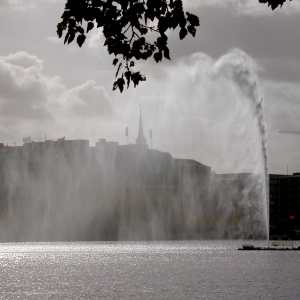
{"x":192,"y":104}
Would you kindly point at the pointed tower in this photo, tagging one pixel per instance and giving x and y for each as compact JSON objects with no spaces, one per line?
{"x":141,"y":141}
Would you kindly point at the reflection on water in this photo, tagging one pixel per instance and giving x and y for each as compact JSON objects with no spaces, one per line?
{"x":146,"y":270}
{"x":121,"y":247}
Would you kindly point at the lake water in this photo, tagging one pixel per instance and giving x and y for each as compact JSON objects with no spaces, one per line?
{"x":147,"y":270}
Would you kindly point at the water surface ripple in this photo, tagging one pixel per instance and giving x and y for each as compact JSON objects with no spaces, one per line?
{"x":147,"y":270}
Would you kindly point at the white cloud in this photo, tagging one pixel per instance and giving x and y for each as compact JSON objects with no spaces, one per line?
{"x":89,"y":100}
{"x":95,"y":39}
{"x":24,"y":60}
{"x":92,"y":46}
{"x":53,"y":40}
{"x":32,"y":102}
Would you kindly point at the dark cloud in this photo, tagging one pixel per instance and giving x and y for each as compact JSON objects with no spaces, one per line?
{"x":281,"y":70}
{"x":271,"y":39}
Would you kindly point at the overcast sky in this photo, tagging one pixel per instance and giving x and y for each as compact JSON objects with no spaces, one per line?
{"x":199,"y":105}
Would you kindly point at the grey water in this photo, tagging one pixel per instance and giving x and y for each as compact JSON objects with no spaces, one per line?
{"x":147,"y":270}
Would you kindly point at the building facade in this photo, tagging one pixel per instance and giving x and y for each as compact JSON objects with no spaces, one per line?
{"x":284,"y":205}
{"x":67,"y":190}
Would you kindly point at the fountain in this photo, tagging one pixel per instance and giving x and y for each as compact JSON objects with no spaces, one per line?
{"x":67,"y":190}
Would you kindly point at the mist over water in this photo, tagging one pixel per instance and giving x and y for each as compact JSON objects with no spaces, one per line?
{"x":201,"y":109}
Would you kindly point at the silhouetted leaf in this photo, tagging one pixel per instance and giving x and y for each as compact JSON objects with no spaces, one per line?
{"x":110,"y":49}
{"x":167,"y":54}
{"x":80,"y":39}
{"x":273,"y":3}
{"x":66,"y":37}
{"x":161,"y":42}
{"x":127,"y":75}
{"x":115,"y":85}
{"x":162,"y":25}
{"x":59,"y":30}
{"x":192,"y":30}
{"x":143,"y":30}
{"x":80,"y":29}
{"x":120,"y":65}
{"x":138,"y":8}
{"x":194,"y":20}
{"x":142,"y":41}
{"x":71,"y":36}
{"x":182,"y":33}
{"x":120,"y":83}
{"x":136,"y":77}
{"x":158,"y":56}
{"x":90,"y":26}
{"x":66,"y":15}
{"x":125,"y":29}
{"x":115,"y":61}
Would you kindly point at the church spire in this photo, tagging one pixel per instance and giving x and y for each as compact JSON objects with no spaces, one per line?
{"x":141,"y":141}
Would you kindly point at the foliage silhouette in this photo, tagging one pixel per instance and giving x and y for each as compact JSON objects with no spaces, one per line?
{"x":125,"y":24}
{"x":273,"y":3}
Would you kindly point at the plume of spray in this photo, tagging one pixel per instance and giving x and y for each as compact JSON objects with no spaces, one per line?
{"x":101,"y":194}
{"x":241,"y":70}
{"x":220,"y":122}
{"x":264,"y":151}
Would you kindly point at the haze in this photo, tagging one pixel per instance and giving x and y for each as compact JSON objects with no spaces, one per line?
{"x":195,"y":105}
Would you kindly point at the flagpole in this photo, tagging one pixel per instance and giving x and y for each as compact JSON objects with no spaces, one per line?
{"x":150,"y":133}
{"x":127,"y":133}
